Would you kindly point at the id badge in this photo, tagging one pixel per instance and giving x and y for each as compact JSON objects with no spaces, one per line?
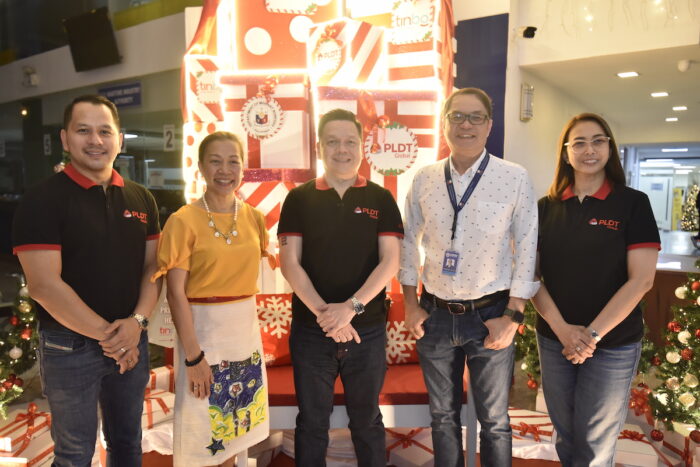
{"x":449,"y":263}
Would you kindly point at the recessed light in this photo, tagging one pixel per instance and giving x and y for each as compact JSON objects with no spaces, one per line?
{"x":659,"y":94}
{"x":628,"y":74}
{"x":674,"y":150}
{"x":683,"y":171}
{"x":671,"y":119}
{"x":130,"y":136}
{"x":680,"y":108}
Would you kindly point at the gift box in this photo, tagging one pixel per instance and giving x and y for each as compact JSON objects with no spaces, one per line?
{"x":409,"y":447}
{"x":273,"y":113}
{"x":157,"y":408}
{"x":399,"y":129}
{"x":275,"y":319}
{"x":162,"y":379}
{"x":268,"y":197}
{"x":633,"y":448}
{"x":272,"y":34}
{"x":345,"y":52}
{"x":27,"y":434}
{"x":677,"y":449}
{"x":192,"y":135}
{"x":202,"y":93}
{"x":261,"y":454}
{"x":531,"y":426}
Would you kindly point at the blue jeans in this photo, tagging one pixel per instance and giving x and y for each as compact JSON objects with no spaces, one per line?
{"x":587,"y":402}
{"x":318,"y":360}
{"x":76,"y":376}
{"x":448,"y":340}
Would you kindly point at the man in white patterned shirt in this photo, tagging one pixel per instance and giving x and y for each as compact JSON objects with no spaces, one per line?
{"x":475,"y":215}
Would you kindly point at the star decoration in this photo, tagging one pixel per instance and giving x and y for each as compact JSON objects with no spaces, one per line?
{"x":216,"y":445}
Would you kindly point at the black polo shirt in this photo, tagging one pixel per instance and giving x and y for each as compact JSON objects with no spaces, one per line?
{"x":583,"y":254}
{"x":340,"y":246}
{"x":101,"y":236}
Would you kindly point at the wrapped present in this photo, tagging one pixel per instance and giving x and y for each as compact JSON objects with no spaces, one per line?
{"x":272,"y":34}
{"x":157,"y":407}
{"x":633,"y":448}
{"x":529,"y":425}
{"x":268,"y":197}
{"x":345,"y":52}
{"x":408,"y":447}
{"x":28,"y":435}
{"x":640,"y":411}
{"x":162,"y":379}
{"x":399,"y":128}
{"x":202,"y":92}
{"x":273,"y":112}
{"x":261,"y":454}
{"x":677,"y":449}
{"x":275,"y":319}
{"x":192,"y":134}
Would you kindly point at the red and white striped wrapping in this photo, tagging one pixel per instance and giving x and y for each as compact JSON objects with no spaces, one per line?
{"x":346,"y":52}
{"x":290,"y":146}
{"x":27,"y":432}
{"x":202,"y":91}
{"x":417,"y":110}
{"x":296,"y":7}
{"x":192,"y":134}
{"x":415,"y":65}
{"x":162,"y":379}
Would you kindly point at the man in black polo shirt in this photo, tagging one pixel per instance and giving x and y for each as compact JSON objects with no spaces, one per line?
{"x":339,"y":246}
{"x":87,"y":242}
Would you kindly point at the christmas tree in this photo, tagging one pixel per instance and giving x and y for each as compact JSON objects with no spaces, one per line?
{"x":18,"y":344}
{"x":689,"y":220}
{"x":676,"y":399}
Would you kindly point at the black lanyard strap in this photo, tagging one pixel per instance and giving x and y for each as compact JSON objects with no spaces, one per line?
{"x":468,"y":192}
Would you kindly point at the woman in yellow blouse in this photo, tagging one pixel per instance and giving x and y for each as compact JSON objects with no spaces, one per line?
{"x":211,"y":251}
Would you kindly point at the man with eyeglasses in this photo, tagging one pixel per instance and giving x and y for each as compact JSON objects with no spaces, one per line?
{"x":339,"y":246}
{"x":475,"y":215}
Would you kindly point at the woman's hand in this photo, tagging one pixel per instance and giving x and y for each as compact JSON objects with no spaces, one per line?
{"x":200,"y":379}
{"x":578,"y":344}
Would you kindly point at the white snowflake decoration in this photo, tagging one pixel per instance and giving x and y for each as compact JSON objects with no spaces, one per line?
{"x":275,"y":315}
{"x":399,"y":342}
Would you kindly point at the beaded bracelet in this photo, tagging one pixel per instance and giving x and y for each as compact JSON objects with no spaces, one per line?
{"x":196,"y":360}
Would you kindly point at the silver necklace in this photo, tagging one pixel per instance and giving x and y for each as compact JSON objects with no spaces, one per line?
{"x":218,"y":233}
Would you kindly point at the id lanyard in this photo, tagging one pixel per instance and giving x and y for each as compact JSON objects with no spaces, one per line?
{"x":467,"y":194}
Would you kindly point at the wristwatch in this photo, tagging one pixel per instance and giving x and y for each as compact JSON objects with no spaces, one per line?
{"x":595,"y":335}
{"x":515,"y":315}
{"x":357,"y":305}
{"x":142,"y":320}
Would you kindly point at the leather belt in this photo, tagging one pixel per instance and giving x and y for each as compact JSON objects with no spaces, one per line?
{"x":459,"y":307}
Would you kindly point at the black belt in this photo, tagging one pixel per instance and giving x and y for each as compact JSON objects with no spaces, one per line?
{"x":459,"y":307}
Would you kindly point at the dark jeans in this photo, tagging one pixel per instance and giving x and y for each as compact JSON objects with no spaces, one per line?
{"x":448,"y":340}
{"x":318,"y":361}
{"x":76,"y":376}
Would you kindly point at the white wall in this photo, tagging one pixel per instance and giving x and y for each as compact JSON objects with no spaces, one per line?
{"x":470,"y":9}
{"x":147,"y":48}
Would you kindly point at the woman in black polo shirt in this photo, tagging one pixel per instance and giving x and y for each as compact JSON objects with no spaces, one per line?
{"x":598,"y":245}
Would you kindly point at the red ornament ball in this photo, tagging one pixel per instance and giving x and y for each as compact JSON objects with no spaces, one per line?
{"x":532,"y":384}
{"x":26,"y":334}
{"x":2,"y":389}
{"x":695,"y":285}
{"x":657,"y":435}
{"x":11,"y":377}
{"x":695,"y":436}
{"x":8,"y":384}
{"x":521,"y":329}
{"x":19,"y":382}
{"x":697,"y":333}
{"x":14,"y":320}
{"x":674,"y":326}
{"x":687,"y":354}
{"x":655,"y":360}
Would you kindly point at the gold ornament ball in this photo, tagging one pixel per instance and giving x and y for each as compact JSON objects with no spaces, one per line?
{"x":673,"y":357}
{"x":690,"y":380}
{"x":681,"y":292}
{"x":684,"y":336}
{"x":687,"y":399}
{"x":673,"y":384}
{"x":24,"y":306}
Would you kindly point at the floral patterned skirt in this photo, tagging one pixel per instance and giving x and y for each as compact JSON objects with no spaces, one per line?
{"x":236,"y":415}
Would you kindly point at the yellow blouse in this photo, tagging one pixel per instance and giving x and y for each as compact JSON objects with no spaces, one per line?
{"x":216,"y":268}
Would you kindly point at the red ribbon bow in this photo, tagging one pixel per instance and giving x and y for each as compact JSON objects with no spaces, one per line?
{"x":633,"y":435}
{"x":268,"y":87}
{"x":29,"y":418}
{"x":406,"y":440}
{"x":639,"y":402}
{"x":526,"y":428}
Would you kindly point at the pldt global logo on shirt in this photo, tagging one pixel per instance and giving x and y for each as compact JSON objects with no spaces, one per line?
{"x":142,"y":216}
{"x":610,"y":224}
{"x":372,"y":213}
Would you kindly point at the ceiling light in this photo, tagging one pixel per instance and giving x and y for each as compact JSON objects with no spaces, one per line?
{"x":657,"y":163}
{"x":683,"y":172}
{"x":659,"y":94}
{"x":24,"y":111}
{"x":628,"y":74}
{"x":671,"y":119}
{"x":130,"y":136}
{"x":680,"y":108}
{"x":674,"y":150}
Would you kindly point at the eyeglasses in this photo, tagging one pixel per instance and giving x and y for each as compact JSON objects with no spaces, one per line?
{"x":475,"y":119}
{"x":579,"y":146}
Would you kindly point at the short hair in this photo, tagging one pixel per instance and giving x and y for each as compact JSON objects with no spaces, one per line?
{"x":220,"y":136}
{"x":94,"y":99}
{"x":338,"y":114}
{"x":476,"y":92}
{"x":564,"y":173}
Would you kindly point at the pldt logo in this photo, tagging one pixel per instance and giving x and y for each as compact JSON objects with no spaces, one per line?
{"x":372,"y":213}
{"x":142,"y":216}
{"x":610,"y":224}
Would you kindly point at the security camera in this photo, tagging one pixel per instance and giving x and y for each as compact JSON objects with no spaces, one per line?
{"x":527,"y":32}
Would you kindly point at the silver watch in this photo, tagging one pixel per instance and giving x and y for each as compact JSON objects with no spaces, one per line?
{"x":142,"y":320}
{"x":357,"y":305}
{"x":595,"y":335}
